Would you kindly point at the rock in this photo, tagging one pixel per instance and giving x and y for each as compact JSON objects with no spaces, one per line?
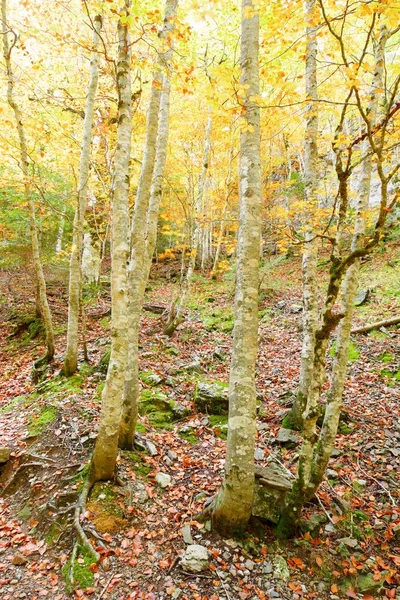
{"x":194,"y":367}
{"x":151,"y":379}
{"x":249,"y":564}
{"x":366,"y":584}
{"x":281,"y":304}
{"x":281,"y":569}
{"x":172,"y":455}
{"x":19,"y":560}
{"x":313,"y":525}
{"x":267,"y":568}
{"x":361,"y":297}
{"x":211,"y":398}
{"x":164,"y":480}
{"x":286,"y":437}
{"x":336,"y":452}
{"x":195,"y":559}
{"x":4,"y":454}
{"x":187,"y":535}
{"x":151,"y":448}
{"x":331,"y":474}
{"x":180,"y":411}
{"x":259,"y":454}
{"x":139,"y":490}
{"x":272,"y":485}
{"x":295,"y":308}
{"x":349,"y":542}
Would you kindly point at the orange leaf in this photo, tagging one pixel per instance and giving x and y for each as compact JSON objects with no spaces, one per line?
{"x":334,"y":588}
{"x":319,"y":561}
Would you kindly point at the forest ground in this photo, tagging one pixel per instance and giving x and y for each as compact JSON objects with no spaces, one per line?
{"x":352,"y":546}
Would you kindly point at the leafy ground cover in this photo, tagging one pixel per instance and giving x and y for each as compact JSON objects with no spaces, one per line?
{"x":349,"y":545}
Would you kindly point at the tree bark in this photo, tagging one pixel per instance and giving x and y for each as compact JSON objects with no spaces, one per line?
{"x":40,"y":279}
{"x":310,"y":252}
{"x":106,"y":448}
{"x":70,"y":364}
{"x":234,"y":501}
{"x":137,"y":264}
{"x":376,"y":325}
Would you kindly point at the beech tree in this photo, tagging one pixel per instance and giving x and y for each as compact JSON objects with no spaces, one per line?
{"x":24,"y":165}
{"x":75,"y":269}
{"x":232,"y":507}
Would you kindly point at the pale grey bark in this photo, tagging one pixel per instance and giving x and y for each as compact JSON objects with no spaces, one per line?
{"x":37,"y":263}
{"x":137,"y":264}
{"x":91,"y":259}
{"x":234,"y":501}
{"x":310,"y":250}
{"x":178,"y":307}
{"x":106,"y":448}
{"x":70,"y":364}
{"x":60,"y":235}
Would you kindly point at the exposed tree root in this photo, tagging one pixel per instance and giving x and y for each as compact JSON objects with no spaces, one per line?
{"x":79,"y":511}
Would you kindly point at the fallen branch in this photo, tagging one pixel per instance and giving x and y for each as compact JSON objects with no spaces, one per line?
{"x":377,"y":325}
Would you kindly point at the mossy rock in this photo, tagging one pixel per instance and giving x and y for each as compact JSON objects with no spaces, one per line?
{"x":150,"y":378}
{"x":160,"y":411}
{"x":211,"y":397}
{"x":220,"y":425}
{"x":104,"y":506}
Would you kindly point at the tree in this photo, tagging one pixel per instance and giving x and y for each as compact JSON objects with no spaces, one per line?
{"x":24,"y":157}
{"x":142,"y":218}
{"x":232,"y":507}
{"x":106,"y":448}
{"x":75,"y":269}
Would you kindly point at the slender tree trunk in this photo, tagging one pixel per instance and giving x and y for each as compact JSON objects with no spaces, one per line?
{"x":310,"y":252}
{"x":41,"y":282}
{"x":176,"y":313}
{"x":106,"y":448}
{"x":234,"y":501}
{"x":137,"y":265}
{"x":75,"y":269}
{"x":60,"y":235}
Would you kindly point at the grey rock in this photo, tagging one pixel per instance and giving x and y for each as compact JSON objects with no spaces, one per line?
{"x":211,"y":397}
{"x":281,"y":569}
{"x":249,"y":564}
{"x":195,"y":559}
{"x":286,"y":437}
{"x":164,"y":480}
{"x":272,"y":484}
{"x":281,"y":304}
{"x":361,"y":297}
{"x":313,"y":524}
{"x":259,"y":454}
{"x":267,"y":568}
{"x":4,"y":454}
{"x":187,"y":535}
{"x":151,"y":379}
{"x":367,"y":585}
{"x":349,"y":542}
{"x":151,"y":448}
{"x":194,"y":367}
{"x":295,"y":308}
{"x":180,"y":411}
{"x":172,"y":455}
{"x":331,"y":473}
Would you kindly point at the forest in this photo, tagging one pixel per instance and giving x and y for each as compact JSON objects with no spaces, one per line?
{"x":200,"y":299}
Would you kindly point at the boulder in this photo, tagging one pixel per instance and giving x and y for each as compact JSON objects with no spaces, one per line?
{"x":195,"y":559}
{"x":281,"y":569}
{"x":164,"y":480}
{"x":180,"y":411}
{"x":367,"y":585}
{"x":272,"y":485}
{"x":211,"y":397}
{"x":295,"y":308}
{"x":287,"y":438}
{"x":4,"y":454}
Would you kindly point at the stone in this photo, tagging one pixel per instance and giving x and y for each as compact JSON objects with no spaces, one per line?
{"x":151,"y":379}
{"x":139,"y":490}
{"x":194,"y":367}
{"x":195,"y":559}
{"x":331,"y":474}
{"x":4,"y":454}
{"x":267,"y":568}
{"x":287,"y":438}
{"x":259,"y":454}
{"x":349,"y":542}
{"x":295,"y":308}
{"x":281,"y":569}
{"x":164,"y":480}
{"x":249,"y":564}
{"x":281,"y":304}
{"x":211,"y":397}
{"x":151,"y":448}
{"x":180,"y":411}
{"x":172,"y":455}
{"x":367,"y":585}
{"x":313,"y":525}
{"x":361,"y":297}
{"x":272,"y":485}
{"x":19,"y":560}
{"x":187,"y":535}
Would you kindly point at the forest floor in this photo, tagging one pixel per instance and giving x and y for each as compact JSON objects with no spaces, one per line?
{"x":350,"y":544}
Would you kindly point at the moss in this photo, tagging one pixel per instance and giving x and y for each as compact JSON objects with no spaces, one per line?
{"x":386,"y":357}
{"x":81,"y":476}
{"x":345,"y":429}
{"x":23,"y":401}
{"x":40,"y":422}
{"x":138,"y":466}
{"x":157,"y":408}
{"x":86,"y":369}
{"x":219,"y":320}
{"x":189,"y":436}
{"x":220,"y":425}
{"x":140,"y":428}
{"x":391,"y":374}
{"x":82,"y":574}
{"x":105,"y":322}
{"x":25,"y":513}
{"x":53,"y":534}
{"x":61,"y":384}
{"x":104,"y":361}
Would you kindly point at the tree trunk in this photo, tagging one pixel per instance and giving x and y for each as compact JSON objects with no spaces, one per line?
{"x":137,"y":265}
{"x":75,"y":269}
{"x":106,"y":448}
{"x":294,"y":419}
{"x":176,"y":313}
{"x":234,"y":501}
{"x":41,"y":282}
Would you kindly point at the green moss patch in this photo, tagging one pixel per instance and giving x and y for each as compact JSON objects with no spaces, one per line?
{"x":189,"y":436}
{"x":82,"y":576}
{"x":138,"y":465}
{"x":220,"y":425}
{"x":40,"y":422}
{"x":354,"y":353}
